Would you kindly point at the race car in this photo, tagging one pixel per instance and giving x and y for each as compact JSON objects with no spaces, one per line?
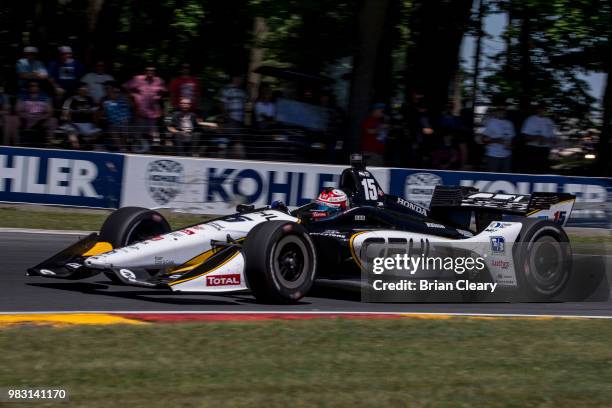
{"x":277,"y":253}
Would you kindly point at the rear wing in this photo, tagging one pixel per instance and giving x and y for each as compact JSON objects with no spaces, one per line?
{"x":553,"y":206}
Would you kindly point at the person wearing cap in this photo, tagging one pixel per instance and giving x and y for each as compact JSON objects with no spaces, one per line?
{"x":185,"y":86}
{"x":95,"y":81}
{"x":539,"y":134}
{"x":497,"y":137}
{"x":374,"y":135}
{"x":65,"y":73}
{"x":30,"y":69}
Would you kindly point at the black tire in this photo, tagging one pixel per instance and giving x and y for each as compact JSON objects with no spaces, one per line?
{"x":280,"y":262}
{"x":128,"y":225}
{"x":543,"y":260}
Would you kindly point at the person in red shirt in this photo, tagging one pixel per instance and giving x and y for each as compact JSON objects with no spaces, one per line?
{"x":185,"y":86}
{"x":374,"y":135}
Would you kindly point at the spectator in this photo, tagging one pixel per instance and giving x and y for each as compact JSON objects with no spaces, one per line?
{"x":452,"y":129}
{"x":446,"y":155}
{"x":539,"y":135}
{"x":147,"y":91}
{"x":233,"y":99}
{"x":116,"y":114}
{"x":374,"y":135}
{"x":185,"y":86}
{"x":65,"y":73}
{"x":497,"y":137}
{"x":30,"y":69}
{"x":78,"y":111}
{"x":9,"y":121}
{"x":96,"y":81}
{"x":265,"y":109}
{"x":420,"y":132}
{"x":183,"y":128}
{"x":36,"y":113}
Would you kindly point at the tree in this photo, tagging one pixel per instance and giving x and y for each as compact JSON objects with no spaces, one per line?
{"x":437,"y":28}
{"x":371,"y":19}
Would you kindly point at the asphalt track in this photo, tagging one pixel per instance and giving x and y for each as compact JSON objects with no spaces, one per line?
{"x":18,"y":293}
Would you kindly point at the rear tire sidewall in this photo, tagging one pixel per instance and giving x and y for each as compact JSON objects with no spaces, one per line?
{"x":267,"y":246}
{"x":128,"y":225}
{"x":534,"y":284}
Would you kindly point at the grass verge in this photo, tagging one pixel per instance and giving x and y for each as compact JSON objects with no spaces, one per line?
{"x":91,"y":220}
{"x":63,"y":219}
{"x":405,"y":362}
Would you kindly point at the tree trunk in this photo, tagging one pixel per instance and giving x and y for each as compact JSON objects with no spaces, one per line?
{"x":477,"y":53}
{"x":371,"y":26}
{"x":437,"y":28}
{"x":525,"y":61}
{"x":604,"y":146}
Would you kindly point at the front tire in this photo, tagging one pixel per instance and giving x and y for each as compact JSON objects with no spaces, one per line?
{"x":543,"y":260}
{"x":280,"y":262}
{"x":128,"y":225}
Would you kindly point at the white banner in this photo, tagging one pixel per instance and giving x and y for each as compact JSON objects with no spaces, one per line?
{"x":215,"y":186}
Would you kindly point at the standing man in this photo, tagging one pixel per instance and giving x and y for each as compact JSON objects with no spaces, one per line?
{"x":147,"y":91}
{"x":233,"y":100}
{"x":539,"y":134}
{"x":96,"y":81}
{"x":30,"y":69}
{"x":65,"y":74}
{"x":498,"y":135}
{"x":374,"y":135}
{"x":185,"y":86}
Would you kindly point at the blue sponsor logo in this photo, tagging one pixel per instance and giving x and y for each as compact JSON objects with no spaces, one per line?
{"x":498,"y":244}
{"x":62,"y":177}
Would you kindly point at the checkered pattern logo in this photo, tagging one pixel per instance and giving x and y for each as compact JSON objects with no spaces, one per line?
{"x":164,"y":180}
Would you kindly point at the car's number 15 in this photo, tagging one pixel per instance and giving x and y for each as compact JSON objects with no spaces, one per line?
{"x":369,"y":189}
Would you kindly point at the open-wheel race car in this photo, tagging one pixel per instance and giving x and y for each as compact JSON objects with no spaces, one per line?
{"x":278,"y":253}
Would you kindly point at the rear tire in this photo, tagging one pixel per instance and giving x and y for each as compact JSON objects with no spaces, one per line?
{"x":543,"y":260}
{"x":280,"y":262}
{"x":128,"y":225}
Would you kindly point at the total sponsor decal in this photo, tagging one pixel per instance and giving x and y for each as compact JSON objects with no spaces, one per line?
{"x":60,"y":177}
{"x":223,"y":280}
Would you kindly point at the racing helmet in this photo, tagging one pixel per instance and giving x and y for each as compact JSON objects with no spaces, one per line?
{"x":331,"y":200}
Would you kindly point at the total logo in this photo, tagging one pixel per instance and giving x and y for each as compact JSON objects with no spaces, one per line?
{"x":223,"y":280}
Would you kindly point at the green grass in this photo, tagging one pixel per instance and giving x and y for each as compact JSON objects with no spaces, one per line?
{"x":91,"y":220}
{"x":63,"y":219}
{"x":361,"y":363}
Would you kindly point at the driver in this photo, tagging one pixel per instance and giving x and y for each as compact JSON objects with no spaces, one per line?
{"x":330,"y":201}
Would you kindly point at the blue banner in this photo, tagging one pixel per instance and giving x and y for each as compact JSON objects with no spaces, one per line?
{"x":593,"y":194}
{"x":62,"y":177}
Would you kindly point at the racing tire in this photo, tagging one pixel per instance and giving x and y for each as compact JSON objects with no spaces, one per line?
{"x":128,"y":225}
{"x":280,"y":262}
{"x":543,"y":260}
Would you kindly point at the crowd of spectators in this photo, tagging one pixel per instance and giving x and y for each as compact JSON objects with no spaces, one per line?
{"x":61,"y":104}
{"x":411,"y":137}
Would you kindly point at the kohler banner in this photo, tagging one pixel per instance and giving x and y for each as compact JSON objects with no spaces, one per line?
{"x":593,"y":194}
{"x":215,"y":186}
{"x":60,"y":177}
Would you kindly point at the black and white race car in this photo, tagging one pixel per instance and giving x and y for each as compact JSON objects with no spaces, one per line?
{"x":277,"y":254}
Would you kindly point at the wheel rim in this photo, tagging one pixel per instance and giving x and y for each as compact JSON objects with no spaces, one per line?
{"x":291,"y":262}
{"x":546,"y":263}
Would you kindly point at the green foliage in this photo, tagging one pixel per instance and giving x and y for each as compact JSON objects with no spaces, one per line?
{"x":561,"y":41}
